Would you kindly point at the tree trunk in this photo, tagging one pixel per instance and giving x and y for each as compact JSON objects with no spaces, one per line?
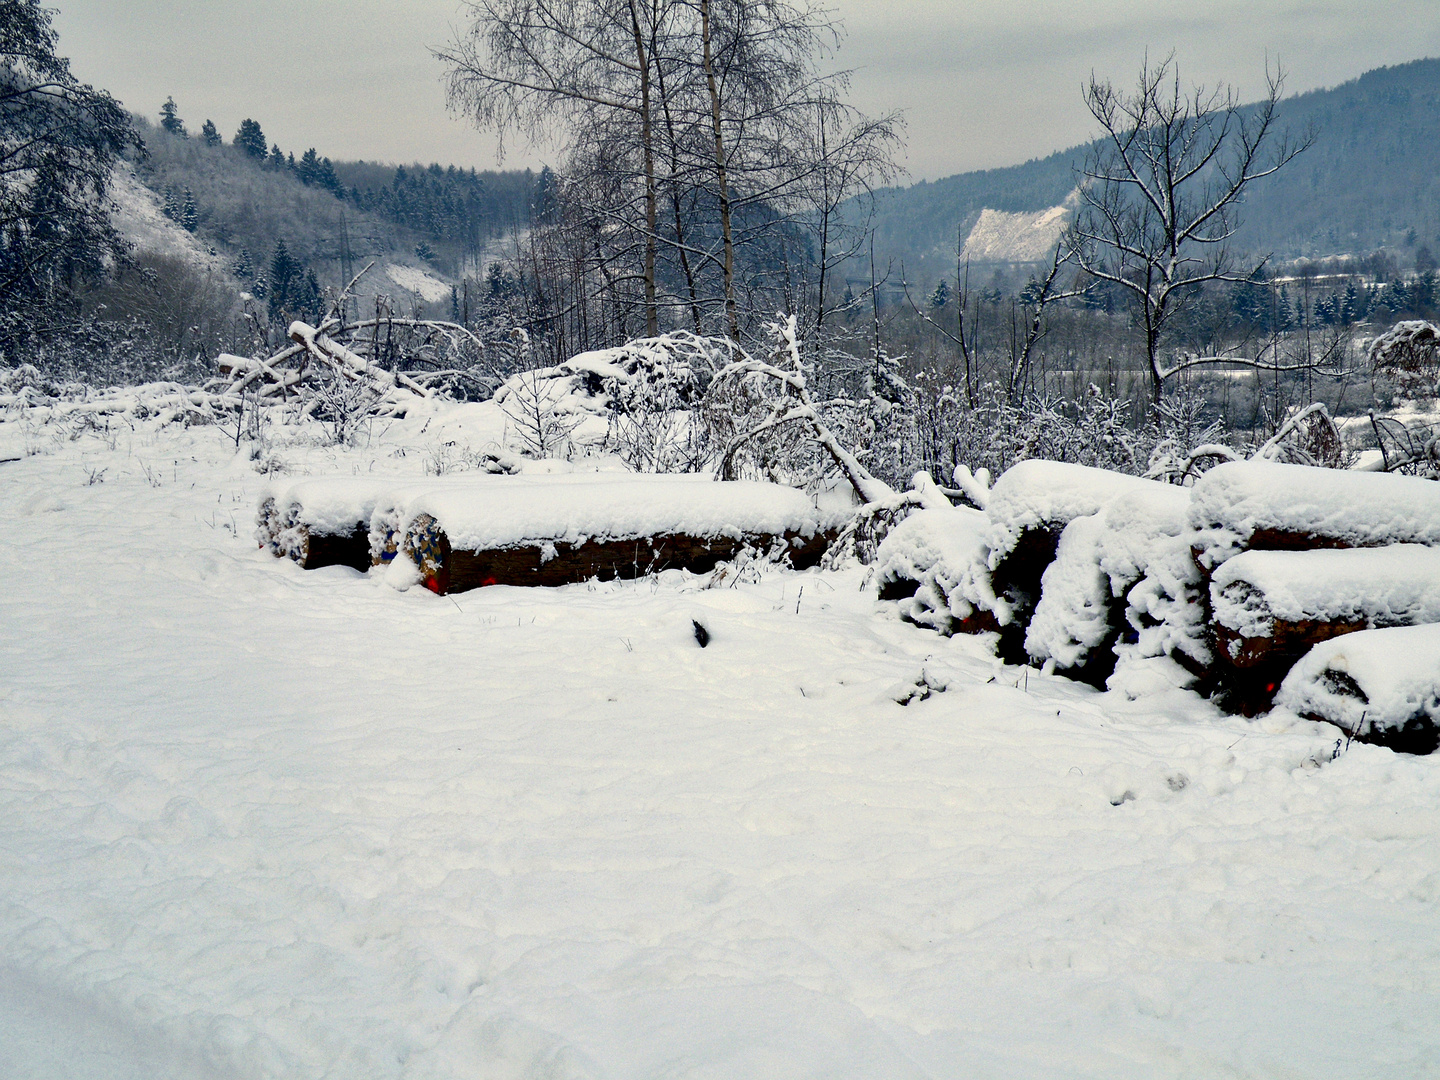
{"x":652,"y":314}
{"x":732,"y":318}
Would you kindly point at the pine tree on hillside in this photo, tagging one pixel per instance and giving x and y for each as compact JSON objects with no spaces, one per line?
{"x":328,"y":180}
{"x":309,"y":168}
{"x":276,"y":160}
{"x":189,"y":215}
{"x":172,"y":207}
{"x":251,"y":139}
{"x":244,"y":266}
{"x":210,"y":134}
{"x":941,"y":296}
{"x":284,"y":271}
{"x":170,"y":119}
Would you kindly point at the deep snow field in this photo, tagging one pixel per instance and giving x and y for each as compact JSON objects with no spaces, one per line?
{"x":259,"y":822}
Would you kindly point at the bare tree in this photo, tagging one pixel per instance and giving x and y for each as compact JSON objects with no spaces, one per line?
{"x":1160,"y":194}
{"x":547,"y":67}
{"x":716,"y":109}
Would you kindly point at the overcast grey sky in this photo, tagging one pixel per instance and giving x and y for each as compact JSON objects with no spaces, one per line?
{"x":983,"y":82}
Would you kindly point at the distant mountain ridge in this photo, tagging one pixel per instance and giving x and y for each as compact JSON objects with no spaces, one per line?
{"x":1371,"y":181}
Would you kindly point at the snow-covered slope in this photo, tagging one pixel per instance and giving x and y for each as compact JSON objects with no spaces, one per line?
{"x":137,"y":216}
{"x":413,"y":279}
{"x":259,"y":822}
{"x":1001,"y":236}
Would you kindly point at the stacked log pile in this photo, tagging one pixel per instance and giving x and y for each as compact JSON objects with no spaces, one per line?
{"x":1237,"y":579}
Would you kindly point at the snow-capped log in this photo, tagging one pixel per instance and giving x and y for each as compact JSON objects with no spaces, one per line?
{"x":1146,"y":557}
{"x":1028,"y":507}
{"x":1122,"y":583}
{"x":933,"y":566}
{"x":320,"y":521}
{"x":1271,"y":606}
{"x":1381,"y":686}
{"x":560,"y":530}
{"x":1270,"y":506}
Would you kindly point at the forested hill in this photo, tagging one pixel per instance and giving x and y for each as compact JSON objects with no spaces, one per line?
{"x":242,"y":200}
{"x":1372,"y":180}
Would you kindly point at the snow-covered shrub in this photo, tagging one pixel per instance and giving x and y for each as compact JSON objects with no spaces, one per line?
{"x":1146,"y":556}
{"x":1074,"y":618}
{"x":1409,"y":354}
{"x":541,"y":416}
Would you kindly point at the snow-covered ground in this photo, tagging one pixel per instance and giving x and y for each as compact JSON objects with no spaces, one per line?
{"x":259,"y":822}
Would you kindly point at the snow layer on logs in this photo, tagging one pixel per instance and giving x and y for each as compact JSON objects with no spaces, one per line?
{"x":327,"y":506}
{"x":610,"y":506}
{"x":943,"y":552}
{"x":1373,"y":680}
{"x":1036,"y":494}
{"x":1389,"y":586}
{"x":1304,"y":506}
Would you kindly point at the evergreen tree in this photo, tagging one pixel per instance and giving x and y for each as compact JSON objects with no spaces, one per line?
{"x":170,"y":119}
{"x":1423,"y":294}
{"x":1351,"y":305}
{"x":60,"y":140}
{"x":210,"y":134}
{"x":328,"y":180}
{"x":276,"y":160}
{"x":309,"y":167}
{"x":251,"y":139}
{"x":281,"y":278}
{"x":547,"y":197}
{"x":1250,"y":302}
{"x":1284,"y":312}
{"x":305,"y":297}
{"x":172,"y":207}
{"x":189,"y":216}
{"x":941,"y":296}
{"x":244,"y":266}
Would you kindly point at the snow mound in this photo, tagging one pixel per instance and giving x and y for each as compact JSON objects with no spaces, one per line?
{"x":420,"y":282}
{"x":1389,"y":586}
{"x":574,"y":509}
{"x":1374,"y":681}
{"x":1266,"y":504}
{"x":1051,"y":494}
{"x":942,"y":554}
